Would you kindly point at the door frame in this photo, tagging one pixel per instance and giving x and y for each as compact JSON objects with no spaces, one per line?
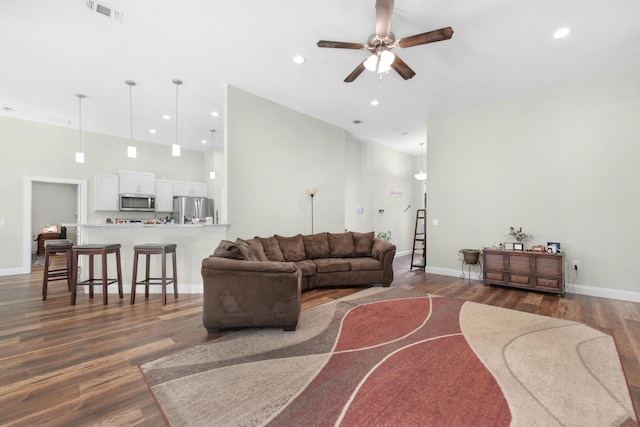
{"x":27,"y":232}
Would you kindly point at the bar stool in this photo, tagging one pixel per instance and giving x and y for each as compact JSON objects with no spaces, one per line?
{"x":148,"y":250}
{"x":54,"y":247}
{"x":91,"y":250}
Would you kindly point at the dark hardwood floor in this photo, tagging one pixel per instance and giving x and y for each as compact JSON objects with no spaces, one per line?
{"x":78,"y":365}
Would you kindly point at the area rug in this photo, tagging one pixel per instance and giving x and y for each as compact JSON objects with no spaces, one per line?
{"x":395,"y":357}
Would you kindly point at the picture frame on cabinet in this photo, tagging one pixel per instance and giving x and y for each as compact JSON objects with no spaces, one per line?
{"x":518,"y":247}
{"x":508,"y":246}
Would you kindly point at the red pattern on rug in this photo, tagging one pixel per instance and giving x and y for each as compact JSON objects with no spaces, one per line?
{"x":400,"y":362}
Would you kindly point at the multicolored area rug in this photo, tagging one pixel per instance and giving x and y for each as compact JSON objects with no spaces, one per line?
{"x":394,"y":357}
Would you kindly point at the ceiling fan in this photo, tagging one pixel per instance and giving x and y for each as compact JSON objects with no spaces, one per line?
{"x":383,"y":41}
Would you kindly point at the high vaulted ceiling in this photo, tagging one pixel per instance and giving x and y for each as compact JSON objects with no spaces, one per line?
{"x":51,"y":50}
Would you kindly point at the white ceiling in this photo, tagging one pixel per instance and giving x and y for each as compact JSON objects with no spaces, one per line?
{"x":51,"y":50}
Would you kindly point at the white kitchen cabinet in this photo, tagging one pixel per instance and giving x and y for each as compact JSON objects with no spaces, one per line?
{"x":137,"y":182}
{"x":164,"y":195}
{"x":106,"y":194}
{"x":186,"y":188}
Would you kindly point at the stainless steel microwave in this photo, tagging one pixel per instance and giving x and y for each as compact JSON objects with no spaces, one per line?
{"x":137,"y":202}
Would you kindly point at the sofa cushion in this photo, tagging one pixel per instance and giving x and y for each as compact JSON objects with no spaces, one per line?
{"x":307,"y":267}
{"x":331,"y":265}
{"x":271,"y":248}
{"x":363,"y":242}
{"x":316,"y":245}
{"x":365,"y":264}
{"x":292,"y":248}
{"x":228,"y":249}
{"x":256,"y":247}
{"x":341,"y":245}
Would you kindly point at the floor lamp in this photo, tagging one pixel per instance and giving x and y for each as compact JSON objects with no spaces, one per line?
{"x":312,"y":192}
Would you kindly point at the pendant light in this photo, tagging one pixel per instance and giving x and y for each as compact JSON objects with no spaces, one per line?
{"x":175,"y":148}
{"x":422,"y":176}
{"x":212,"y":174}
{"x":131,"y":149}
{"x":79,"y":153}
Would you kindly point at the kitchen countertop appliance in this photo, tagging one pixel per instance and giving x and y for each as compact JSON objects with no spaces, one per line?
{"x":191,"y":210}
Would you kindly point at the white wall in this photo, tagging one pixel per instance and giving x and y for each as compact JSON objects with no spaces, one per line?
{"x":562,"y":163}
{"x":273,"y":155}
{"x":375,"y":171}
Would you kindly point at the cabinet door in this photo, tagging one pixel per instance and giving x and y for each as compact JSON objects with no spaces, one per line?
{"x":146,"y":183}
{"x":181,"y":188}
{"x":128,"y":182}
{"x":106,"y":195}
{"x":164,"y":195}
{"x":199,"y":189}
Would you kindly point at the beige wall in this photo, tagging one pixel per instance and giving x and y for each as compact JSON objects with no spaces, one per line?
{"x":561,"y":162}
{"x":273,"y":155}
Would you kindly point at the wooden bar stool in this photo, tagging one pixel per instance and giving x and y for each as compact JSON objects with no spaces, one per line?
{"x":56,"y":247}
{"x":91,"y":250}
{"x":148,"y":250}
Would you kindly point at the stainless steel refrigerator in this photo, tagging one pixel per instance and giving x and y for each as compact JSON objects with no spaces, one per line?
{"x":189,"y":210}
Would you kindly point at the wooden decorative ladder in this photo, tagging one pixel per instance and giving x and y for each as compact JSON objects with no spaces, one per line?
{"x":420,"y":240}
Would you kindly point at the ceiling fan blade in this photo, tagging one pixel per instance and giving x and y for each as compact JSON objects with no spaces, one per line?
{"x":355,"y":73}
{"x":428,"y":37}
{"x":402,"y":68}
{"x":384,"y":10}
{"x":341,"y":45}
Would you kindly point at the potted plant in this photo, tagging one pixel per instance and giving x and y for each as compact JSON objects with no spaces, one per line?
{"x":518,"y":234}
{"x":384,"y":235}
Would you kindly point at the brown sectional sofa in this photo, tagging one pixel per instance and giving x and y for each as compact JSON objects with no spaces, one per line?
{"x":257,"y":282}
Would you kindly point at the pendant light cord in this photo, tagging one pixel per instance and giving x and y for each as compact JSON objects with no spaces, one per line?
{"x":130,"y":112}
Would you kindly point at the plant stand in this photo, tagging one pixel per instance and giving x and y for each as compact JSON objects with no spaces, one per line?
{"x":470,"y":257}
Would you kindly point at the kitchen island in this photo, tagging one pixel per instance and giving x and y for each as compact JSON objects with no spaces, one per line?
{"x":194,"y":243}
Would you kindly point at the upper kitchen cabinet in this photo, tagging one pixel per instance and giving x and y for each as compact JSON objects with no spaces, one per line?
{"x":164,"y":195}
{"x":194,"y":189}
{"x":137,"y":182}
{"x":106,"y":192}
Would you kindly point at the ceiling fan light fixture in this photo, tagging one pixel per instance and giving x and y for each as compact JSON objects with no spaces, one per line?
{"x":371,"y":63}
{"x":386,"y":59}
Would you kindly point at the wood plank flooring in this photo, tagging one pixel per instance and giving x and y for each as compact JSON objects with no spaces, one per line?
{"x":78,"y":365}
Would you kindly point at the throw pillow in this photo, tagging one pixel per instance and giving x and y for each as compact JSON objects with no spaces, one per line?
{"x":292,"y":248}
{"x":316,"y":245}
{"x":258,"y":250}
{"x":246,"y":250}
{"x":271,"y":248}
{"x":227,"y":249}
{"x":363,"y":243}
{"x":341,"y":245}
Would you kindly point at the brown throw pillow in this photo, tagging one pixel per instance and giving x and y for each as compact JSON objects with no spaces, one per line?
{"x":245,"y":250}
{"x":271,"y":248}
{"x":227,"y":249}
{"x":363,"y":243}
{"x":292,"y":248}
{"x":316,"y":245}
{"x":258,"y":250}
{"x":341,"y":245}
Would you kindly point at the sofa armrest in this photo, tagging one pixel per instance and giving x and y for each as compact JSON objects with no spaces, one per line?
{"x":240,"y":293}
{"x":381,"y":248}
{"x":384,"y":251}
{"x":213,"y":262}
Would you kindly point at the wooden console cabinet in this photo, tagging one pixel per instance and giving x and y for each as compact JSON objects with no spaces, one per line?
{"x":538,"y":271}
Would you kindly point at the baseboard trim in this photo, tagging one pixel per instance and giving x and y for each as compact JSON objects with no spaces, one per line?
{"x":592,"y":291}
{"x":13,"y":271}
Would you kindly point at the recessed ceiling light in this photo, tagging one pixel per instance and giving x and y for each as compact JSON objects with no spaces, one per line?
{"x":375,"y":102}
{"x":204,"y":141}
{"x":215,"y":114}
{"x":152,"y":131}
{"x":562,"y":32}
{"x":166,"y":117}
{"x":298,"y":59}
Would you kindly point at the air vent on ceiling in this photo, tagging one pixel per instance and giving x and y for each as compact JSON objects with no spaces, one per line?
{"x":105,"y":10}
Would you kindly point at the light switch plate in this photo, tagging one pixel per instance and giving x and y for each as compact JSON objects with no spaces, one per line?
{"x":3,"y":222}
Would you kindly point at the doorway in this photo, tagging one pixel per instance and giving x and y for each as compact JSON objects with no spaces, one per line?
{"x":46,"y":203}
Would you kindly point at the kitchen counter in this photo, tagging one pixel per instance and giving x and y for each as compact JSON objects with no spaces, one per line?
{"x":194,"y":243}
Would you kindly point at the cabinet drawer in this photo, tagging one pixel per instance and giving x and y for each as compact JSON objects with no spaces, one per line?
{"x":518,"y":279}
{"x":496,"y":276}
{"x":549,"y":284}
